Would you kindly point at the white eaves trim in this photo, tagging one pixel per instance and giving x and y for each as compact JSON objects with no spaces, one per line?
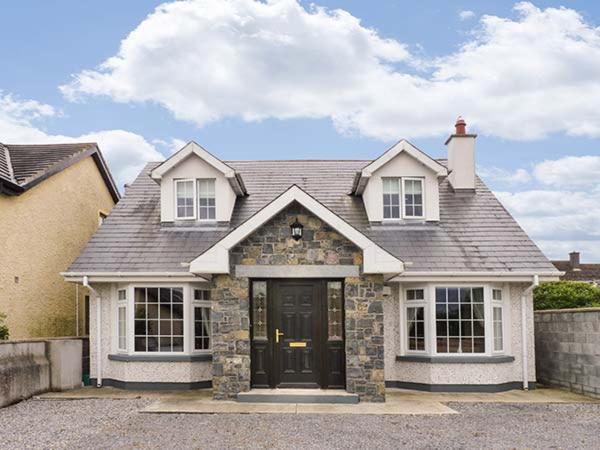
{"x":402,"y":146}
{"x":505,"y":276}
{"x":110,"y":277}
{"x":235,"y":180}
{"x":375,"y":259}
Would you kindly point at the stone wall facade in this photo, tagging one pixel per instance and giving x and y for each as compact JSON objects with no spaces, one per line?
{"x":272,"y":244}
{"x":568,"y":349}
{"x":364,"y":337}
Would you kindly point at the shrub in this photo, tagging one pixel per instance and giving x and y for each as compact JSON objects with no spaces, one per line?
{"x":3,"y":327}
{"x":565,"y":294}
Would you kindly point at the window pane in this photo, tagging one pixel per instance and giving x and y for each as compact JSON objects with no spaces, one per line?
{"x":498,"y":334}
{"x":185,"y":198}
{"x":415,"y":327}
{"x":206,"y":199}
{"x":122,"y":338}
{"x":158,"y":319}
{"x":201,"y":328}
{"x":461,"y":319}
{"x":259,"y":309}
{"x":334,"y":310}
{"x":391,"y":198}
{"x":440,"y":295}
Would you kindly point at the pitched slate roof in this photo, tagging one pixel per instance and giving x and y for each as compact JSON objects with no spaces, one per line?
{"x":586,"y":272}
{"x":24,"y":166}
{"x":475,"y":232}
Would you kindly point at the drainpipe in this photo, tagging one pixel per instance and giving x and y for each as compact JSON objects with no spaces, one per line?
{"x":525,"y":362}
{"x":86,"y":283}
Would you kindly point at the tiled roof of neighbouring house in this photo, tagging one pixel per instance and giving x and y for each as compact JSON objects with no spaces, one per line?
{"x":586,"y":272}
{"x":475,"y":232}
{"x":24,"y":166}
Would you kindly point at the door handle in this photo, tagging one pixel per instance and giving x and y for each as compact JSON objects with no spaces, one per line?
{"x":278,"y":334}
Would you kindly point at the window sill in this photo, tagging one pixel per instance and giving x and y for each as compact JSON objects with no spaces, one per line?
{"x":161,"y":358}
{"x":456,"y":359}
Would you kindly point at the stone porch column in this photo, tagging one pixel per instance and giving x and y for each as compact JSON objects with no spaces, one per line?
{"x":364,"y":337}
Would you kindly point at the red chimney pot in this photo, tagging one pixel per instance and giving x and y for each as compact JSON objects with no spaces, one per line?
{"x":461,"y":126}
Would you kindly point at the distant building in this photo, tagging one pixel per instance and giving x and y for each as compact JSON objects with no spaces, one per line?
{"x":575,"y":271}
{"x":52,"y":200}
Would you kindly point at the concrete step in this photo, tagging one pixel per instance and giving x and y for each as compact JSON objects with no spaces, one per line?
{"x":297,"y":396}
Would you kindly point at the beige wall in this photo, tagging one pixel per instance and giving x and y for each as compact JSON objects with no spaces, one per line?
{"x":41,"y":232}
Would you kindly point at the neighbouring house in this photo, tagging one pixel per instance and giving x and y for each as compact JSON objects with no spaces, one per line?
{"x":52,"y":199}
{"x":574,"y":270}
{"x":404,"y":271}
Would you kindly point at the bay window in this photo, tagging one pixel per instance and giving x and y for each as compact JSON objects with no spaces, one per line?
{"x":452,"y":320}
{"x":172,"y":319}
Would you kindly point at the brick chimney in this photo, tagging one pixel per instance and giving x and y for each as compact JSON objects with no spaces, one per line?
{"x":461,"y":157}
{"x":574,"y":260}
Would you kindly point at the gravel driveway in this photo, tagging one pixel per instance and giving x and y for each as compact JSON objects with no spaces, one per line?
{"x":117,"y":424}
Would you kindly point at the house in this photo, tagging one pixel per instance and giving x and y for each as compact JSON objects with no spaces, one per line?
{"x":575,"y":271}
{"x":52,"y":198}
{"x":404,"y":271}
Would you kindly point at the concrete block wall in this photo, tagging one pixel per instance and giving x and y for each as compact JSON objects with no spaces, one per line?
{"x":28,"y":368}
{"x":568,"y":349}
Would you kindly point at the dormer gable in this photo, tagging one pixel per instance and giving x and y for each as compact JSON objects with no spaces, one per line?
{"x":197,"y":187}
{"x":401,"y":185}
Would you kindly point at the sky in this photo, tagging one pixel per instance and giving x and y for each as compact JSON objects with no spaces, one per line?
{"x":287,"y":79}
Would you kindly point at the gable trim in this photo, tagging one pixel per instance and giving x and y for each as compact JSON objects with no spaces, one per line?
{"x":362,"y":177}
{"x":234,"y":179}
{"x":375,"y":259}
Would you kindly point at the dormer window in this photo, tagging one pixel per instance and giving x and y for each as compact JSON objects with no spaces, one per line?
{"x":185,"y":199}
{"x":195,"y":199}
{"x":206,"y":200}
{"x":411,"y":207}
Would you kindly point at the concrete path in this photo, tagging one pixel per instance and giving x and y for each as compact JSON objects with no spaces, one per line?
{"x":399,"y":402}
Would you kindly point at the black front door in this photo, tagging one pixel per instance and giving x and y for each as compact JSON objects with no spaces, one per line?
{"x":296,"y":348}
{"x":296,"y":318}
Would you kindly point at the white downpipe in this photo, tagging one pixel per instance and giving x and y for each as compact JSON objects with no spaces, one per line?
{"x":98,"y":331}
{"x":524,"y":352}
{"x":77,"y":310}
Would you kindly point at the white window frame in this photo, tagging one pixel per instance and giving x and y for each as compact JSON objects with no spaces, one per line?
{"x":198,"y":182}
{"x":194,"y":191}
{"x":498,"y":304}
{"x":404,"y":320}
{"x":402,"y":199}
{"x":122,"y":305}
{"x":203,"y":303}
{"x":398,"y":181}
{"x":186,"y":318}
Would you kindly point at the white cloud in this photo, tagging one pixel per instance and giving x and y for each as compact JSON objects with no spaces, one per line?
{"x":171,"y":146}
{"x":569,"y":171}
{"x":125,"y":152}
{"x":466,"y":15}
{"x":498,"y":174}
{"x":204,"y":60}
{"x":558,"y":219}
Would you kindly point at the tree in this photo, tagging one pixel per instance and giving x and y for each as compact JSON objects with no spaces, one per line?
{"x":565,"y":294}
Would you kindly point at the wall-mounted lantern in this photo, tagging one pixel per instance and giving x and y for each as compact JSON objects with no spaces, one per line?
{"x":296,"y":229}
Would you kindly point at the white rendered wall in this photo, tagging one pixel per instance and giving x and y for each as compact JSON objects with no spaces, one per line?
{"x":194,"y":167}
{"x":403,"y":165}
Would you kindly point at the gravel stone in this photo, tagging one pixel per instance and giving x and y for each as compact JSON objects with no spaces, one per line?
{"x":118,"y":424}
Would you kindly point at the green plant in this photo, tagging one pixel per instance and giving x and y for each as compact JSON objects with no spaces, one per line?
{"x":3,"y":327}
{"x":565,"y":294}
